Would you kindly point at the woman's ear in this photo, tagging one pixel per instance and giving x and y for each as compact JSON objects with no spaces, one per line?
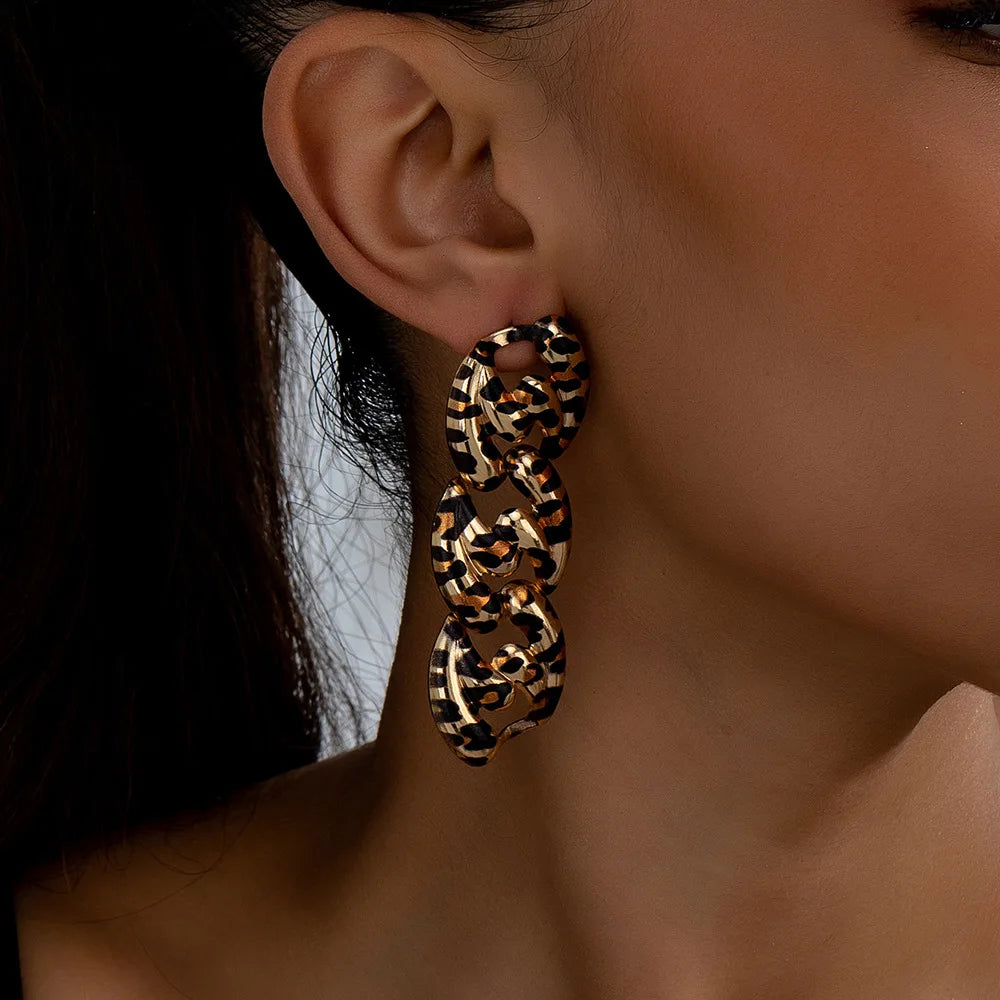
{"x":414,"y":158}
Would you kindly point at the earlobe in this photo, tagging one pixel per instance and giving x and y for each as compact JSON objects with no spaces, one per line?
{"x":385,"y":135}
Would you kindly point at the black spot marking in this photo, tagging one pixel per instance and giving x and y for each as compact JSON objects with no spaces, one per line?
{"x":563,"y":345}
{"x":493,"y":390}
{"x":445,"y":710}
{"x":549,"y":656}
{"x":549,"y":507}
{"x":557,"y":533}
{"x":479,"y":736}
{"x":470,"y":665}
{"x":464,"y":462}
{"x":549,"y":698}
{"x":513,"y":665}
{"x":484,"y":695}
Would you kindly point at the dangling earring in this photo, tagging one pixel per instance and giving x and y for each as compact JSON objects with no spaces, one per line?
{"x":464,"y":549}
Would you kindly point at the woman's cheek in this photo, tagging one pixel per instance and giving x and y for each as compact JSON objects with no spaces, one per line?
{"x":818,"y":354}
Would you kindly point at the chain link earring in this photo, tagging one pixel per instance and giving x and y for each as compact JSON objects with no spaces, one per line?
{"x":464,"y":551}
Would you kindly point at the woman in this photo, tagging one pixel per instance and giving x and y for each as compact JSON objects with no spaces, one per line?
{"x":773,"y":768}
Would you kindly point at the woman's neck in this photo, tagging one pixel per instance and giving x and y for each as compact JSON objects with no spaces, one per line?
{"x":735,"y":797}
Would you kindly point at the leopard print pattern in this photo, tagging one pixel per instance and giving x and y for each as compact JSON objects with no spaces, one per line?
{"x":468,"y":548}
{"x":480,"y":406}
{"x":465,"y":551}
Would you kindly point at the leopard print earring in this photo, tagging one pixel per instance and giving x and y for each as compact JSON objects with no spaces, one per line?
{"x":464,"y":549}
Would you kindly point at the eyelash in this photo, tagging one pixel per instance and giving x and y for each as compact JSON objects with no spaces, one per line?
{"x":962,"y":24}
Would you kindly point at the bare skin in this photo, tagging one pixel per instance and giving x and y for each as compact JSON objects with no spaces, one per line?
{"x":774,"y":772}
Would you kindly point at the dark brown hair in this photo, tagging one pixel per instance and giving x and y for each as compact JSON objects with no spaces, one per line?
{"x":154,"y":650}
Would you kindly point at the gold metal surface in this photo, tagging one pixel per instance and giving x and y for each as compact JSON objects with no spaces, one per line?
{"x":466,"y":553}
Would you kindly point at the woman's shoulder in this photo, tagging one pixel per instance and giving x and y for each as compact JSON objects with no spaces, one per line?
{"x":123,"y":919}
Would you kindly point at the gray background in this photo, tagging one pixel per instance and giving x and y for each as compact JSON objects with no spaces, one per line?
{"x":343,"y":529}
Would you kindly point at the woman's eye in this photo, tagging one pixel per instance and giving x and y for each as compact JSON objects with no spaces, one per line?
{"x":972,"y":31}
